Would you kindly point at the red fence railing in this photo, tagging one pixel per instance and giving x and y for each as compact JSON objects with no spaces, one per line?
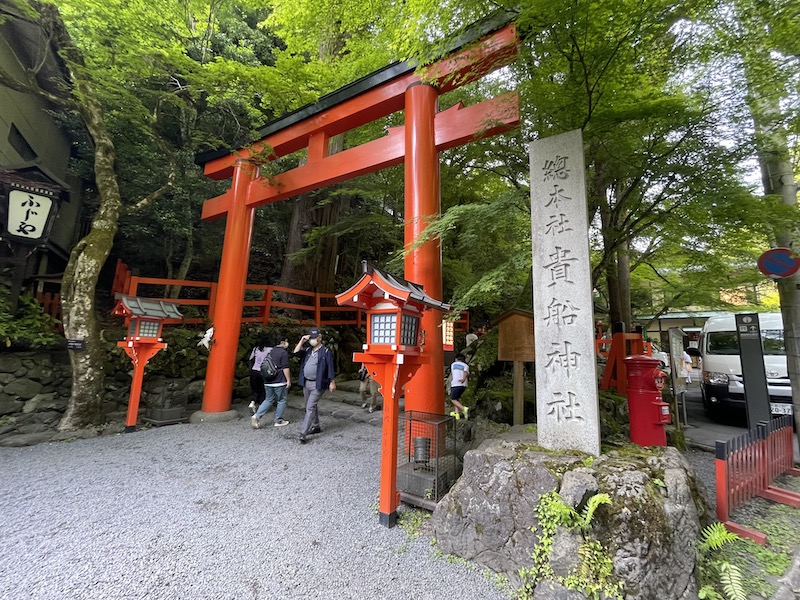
{"x":51,"y":305}
{"x":747,"y":465}
{"x":262,"y":302}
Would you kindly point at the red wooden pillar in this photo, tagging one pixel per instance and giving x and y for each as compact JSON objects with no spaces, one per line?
{"x":423,"y":265}
{"x":390,"y":376}
{"x":140,"y":355}
{"x":230,"y":294}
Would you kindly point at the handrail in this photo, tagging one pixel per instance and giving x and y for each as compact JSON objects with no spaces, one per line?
{"x":321,"y":308}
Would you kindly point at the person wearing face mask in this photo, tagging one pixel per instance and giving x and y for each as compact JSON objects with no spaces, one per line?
{"x":276,"y":391}
{"x":316,"y":375}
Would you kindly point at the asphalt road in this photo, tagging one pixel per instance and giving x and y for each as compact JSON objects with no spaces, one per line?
{"x":703,"y":432}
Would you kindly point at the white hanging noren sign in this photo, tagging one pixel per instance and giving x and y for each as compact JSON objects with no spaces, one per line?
{"x":27,"y":214}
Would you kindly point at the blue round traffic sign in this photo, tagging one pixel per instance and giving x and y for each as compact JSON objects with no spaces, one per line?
{"x":778,"y":262}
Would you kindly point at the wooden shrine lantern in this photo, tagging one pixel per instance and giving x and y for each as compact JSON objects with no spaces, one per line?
{"x":515,"y":342}
{"x":393,"y":352}
{"x":144,"y":318}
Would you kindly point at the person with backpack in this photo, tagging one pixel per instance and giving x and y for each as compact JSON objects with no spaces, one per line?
{"x":316,"y":376}
{"x":259,"y":352}
{"x":277,"y":380}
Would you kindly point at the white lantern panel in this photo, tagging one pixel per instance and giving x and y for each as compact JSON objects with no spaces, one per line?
{"x":383,"y":328}
{"x":148,"y":329}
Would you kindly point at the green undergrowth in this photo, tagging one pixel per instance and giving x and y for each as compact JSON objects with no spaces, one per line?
{"x":413,"y":521}
{"x":27,"y":327}
{"x":762,"y":566}
{"x":595,"y":574}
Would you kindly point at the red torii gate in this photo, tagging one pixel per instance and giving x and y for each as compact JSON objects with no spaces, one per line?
{"x":426,"y":132}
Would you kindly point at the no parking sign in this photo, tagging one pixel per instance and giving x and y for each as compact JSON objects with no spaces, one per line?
{"x":778,"y":262}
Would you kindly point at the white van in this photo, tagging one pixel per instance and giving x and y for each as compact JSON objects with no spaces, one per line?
{"x":722,"y":369}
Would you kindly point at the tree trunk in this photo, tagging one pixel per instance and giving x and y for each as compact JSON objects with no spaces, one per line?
{"x":317,"y":272}
{"x":624,"y":285}
{"x":614,"y":299}
{"x":186,"y":262}
{"x":778,"y":179}
{"x":610,"y":264}
{"x":777,"y":176}
{"x":85,"y":405}
{"x":298,"y":274}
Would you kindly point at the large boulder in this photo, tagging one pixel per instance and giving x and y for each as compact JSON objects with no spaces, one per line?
{"x":649,"y":530}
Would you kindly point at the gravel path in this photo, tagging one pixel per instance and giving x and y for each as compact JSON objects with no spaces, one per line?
{"x":222,"y":511}
{"x":213,"y":511}
{"x":704,"y":464}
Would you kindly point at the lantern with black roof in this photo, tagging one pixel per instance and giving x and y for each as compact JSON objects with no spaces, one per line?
{"x":144,"y":319}
{"x":393,"y":352}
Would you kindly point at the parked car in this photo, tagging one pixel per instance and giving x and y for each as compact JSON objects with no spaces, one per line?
{"x":723,"y":386}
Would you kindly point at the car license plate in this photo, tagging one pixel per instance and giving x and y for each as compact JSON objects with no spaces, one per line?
{"x":779,"y":408}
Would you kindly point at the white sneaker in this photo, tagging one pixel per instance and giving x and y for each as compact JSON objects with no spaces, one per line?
{"x":364,"y":405}
{"x":252,"y":406}
{"x":281,"y":423}
{"x":254,"y":421}
{"x":371,"y":409}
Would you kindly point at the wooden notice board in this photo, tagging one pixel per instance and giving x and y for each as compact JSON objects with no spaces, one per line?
{"x":515,"y":341}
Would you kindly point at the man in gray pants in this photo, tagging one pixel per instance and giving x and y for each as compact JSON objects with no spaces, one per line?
{"x":316,"y":375}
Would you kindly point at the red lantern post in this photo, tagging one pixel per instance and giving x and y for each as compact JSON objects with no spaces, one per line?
{"x":144,"y":319}
{"x":393,"y":353}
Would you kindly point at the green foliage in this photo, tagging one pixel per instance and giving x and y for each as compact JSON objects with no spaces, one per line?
{"x":595,"y":575}
{"x":28,"y":326}
{"x":714,"y":572}
{"x":412,"y":521}
{"x":761,"y":565}
{"x":714,"y":537}
{"x":585,"y":519}
{"x":731,"y":580}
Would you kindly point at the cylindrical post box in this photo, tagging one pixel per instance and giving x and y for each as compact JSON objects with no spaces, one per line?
{"x":648,"y":412}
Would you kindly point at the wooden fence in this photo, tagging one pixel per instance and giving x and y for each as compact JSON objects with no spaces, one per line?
{"x":747,"y":465}
{"x":51,"y":305}
{"x":262,"y":302}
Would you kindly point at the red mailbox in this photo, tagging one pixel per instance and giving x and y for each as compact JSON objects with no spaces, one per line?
{"x":648,"y":412}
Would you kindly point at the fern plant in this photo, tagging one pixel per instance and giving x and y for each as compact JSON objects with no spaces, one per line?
{"x":595,"y":575}
{"x":714,"y":537}
{"x":714,"y":572}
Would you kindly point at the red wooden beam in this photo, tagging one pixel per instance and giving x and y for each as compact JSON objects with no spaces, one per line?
{"x":746,"y":532}
{"x":455,"y":126}
{"x":470,"y":64}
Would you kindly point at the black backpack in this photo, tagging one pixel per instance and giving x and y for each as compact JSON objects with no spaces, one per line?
{"x":269,"y":370}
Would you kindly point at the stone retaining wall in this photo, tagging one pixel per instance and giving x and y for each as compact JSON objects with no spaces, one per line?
{"x":35,"y":389}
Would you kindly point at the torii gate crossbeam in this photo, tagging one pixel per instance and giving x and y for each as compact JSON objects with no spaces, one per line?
{"x":418,"y":142}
